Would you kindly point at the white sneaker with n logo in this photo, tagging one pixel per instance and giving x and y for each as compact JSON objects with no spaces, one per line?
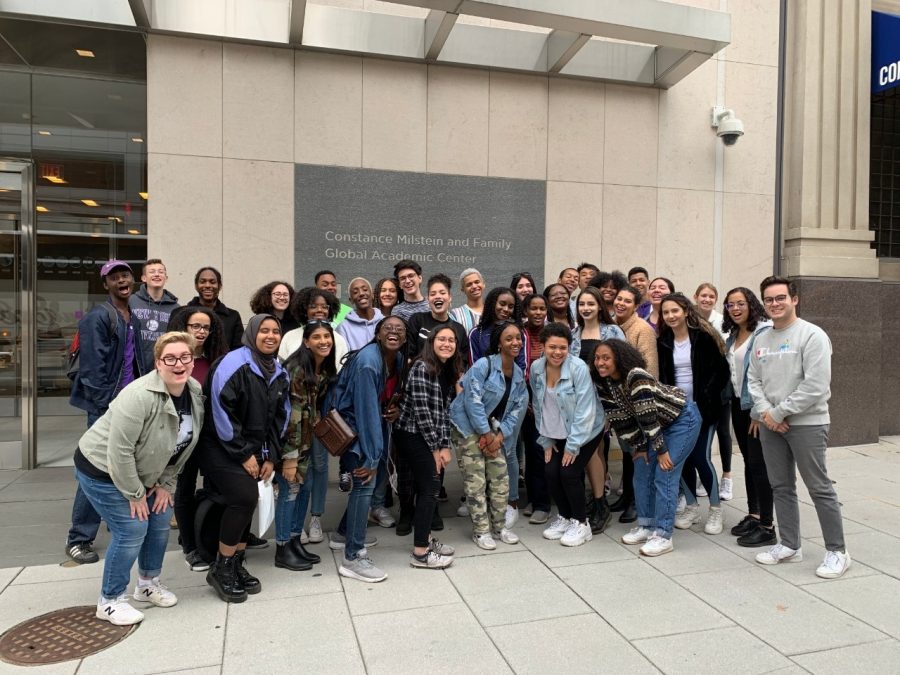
{"x":155,"y":593}
{"x":118,"y":612}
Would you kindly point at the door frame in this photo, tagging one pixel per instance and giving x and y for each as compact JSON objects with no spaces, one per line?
{"x":27,"y":302}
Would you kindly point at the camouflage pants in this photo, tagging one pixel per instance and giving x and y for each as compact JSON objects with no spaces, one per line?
{"x":484,"y":479}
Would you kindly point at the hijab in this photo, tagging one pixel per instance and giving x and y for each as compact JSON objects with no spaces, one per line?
{"x":265,"y":362}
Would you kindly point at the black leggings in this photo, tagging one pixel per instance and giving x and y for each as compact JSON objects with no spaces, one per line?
{"x":567,"y":482}
{"x":759,"y":491}
{"x":186,"y":502}
{"x":239,"y":490}
{"x":427,"y":481}
{"x":723,"y":433}
{"x":535,"y":474}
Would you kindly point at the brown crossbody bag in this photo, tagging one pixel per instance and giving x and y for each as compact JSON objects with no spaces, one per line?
{"x":334,"y":433}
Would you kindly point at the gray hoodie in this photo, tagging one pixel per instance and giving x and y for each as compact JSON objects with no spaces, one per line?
{"x":358,"y":332}
{"x":152,"y":316}
{"x":790,"y":374}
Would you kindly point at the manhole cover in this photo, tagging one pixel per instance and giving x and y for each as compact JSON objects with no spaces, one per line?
{"x":63,"y":635}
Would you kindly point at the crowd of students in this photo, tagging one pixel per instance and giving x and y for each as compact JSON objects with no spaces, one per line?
{"x":517,"y":384}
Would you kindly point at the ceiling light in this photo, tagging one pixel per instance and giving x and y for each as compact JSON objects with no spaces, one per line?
{"x":89,"y":202}
{"x":143,"y":195}
{"x":115,"y":218}
{"x":56,"y":180}
{"x":137,"y":140}
{"x":134,"y":231}
{"x":87,"y":53}
{"x":44,"y":132}
{"x":41,"y":209}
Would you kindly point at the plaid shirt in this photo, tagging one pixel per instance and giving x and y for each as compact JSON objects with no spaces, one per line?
{"x":424,"y":408}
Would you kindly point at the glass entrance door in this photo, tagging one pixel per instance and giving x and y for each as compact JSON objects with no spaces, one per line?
{"x":17,"y":363}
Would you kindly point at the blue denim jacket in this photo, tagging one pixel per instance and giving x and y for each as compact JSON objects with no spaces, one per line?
{"x":608,"y":331}
{"x":746,"y":399}
{"x":576,"y":397}
{"x":483,"y":386}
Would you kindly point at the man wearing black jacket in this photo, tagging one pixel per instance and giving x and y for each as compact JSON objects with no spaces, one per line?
{"x":208,"y":282}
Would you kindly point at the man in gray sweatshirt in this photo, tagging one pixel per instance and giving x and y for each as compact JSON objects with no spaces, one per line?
{"x":789,"y":378}
{"x":152,"y":305}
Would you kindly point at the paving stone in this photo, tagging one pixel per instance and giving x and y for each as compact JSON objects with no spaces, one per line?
{"x":873,"y":599}
{"x":874,"y":658}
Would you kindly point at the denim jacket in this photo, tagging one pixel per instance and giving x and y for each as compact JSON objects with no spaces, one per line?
{"x":608,"y":331}
{"x":746,"y":399}
{"x":483,"y":386}
{"x":576,"y":397}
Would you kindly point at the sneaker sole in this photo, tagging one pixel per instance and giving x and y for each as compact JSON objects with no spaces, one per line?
{"x":576,"y":543}
{"x":793,"y":559}
{"x":424,"y":566}
{"x":105,"y":617}
{"x":350,"y":574}
{"x":834,"y":575}
{"x":552,"y":537}
{"x":635,"y":543}
{"x":483,"y":547}
{"x":769,"y":542}
{"x":657,"y":553}
{"x":539,"y":521}
{"x":145,"y":601}
{"x":684,"y":526}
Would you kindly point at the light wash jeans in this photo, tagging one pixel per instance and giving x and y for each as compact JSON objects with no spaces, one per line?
{"x":356,"y":517}
{"x":293,"y":505}
{"x":655,"y":490}
{"x":132,"y":539}
{"x":511,"y":452}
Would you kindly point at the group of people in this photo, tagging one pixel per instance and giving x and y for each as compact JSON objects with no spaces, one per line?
{"x":518,"y":385}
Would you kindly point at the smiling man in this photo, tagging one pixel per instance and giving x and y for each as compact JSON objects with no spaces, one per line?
{"x":326,"y":280}
{"x":152,"y":305}
{"x":408,"y":274}
{"x":358,"y":328}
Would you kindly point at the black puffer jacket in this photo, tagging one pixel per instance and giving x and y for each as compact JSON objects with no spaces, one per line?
{"x":709,"y":368}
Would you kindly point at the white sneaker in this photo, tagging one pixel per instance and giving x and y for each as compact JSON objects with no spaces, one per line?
{"x":725,"y":490}
{"x":316,"y":534}
{"x":637,"y":535}
{"x":577,"y":534}
{"x":657,"y":545}
{"x":431,"y":560}
{"x":118,"y":612}
{"x":304,"y":538}
{"x":381,"y":516}
{"x":834,"y":565}
{"x":441,"y":549}
{"x":485,"y":541}
{"x":714,"y":520}
{"x":155,"y":593}
{"x":701,"y":491}
{"x":679,"y":507}
{"x":508,"y":536}
{"x":512,"y":517}
{"x":778,"y":554}
{"x":463,"y":511}
{"x":362,"y":569}
{"x":688,"y":517}
{"x":539,"y":517}
{"x":556,"y":529}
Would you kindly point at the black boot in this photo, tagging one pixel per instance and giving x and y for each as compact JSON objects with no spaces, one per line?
{"x":250,"y":583}
{"x":405,"y":522}
{"x":222,"y":576}
{"x":621,"y":503}
{"x":286,"y":557}
{"x":629,"y":515}
{"x":303,"y":552}
{"x":601,"y":515}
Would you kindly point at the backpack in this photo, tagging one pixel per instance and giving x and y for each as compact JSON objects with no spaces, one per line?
{"x":74,"y":361}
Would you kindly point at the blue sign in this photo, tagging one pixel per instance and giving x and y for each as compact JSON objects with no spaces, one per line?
{"x":885,"y":51}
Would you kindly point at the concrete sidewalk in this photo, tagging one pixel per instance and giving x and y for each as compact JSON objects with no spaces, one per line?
{"x":535,"y":607}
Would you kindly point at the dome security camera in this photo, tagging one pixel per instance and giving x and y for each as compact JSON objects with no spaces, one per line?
{"x":728,"y":127}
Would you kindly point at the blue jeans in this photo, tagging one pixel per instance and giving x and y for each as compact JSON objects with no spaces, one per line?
{"x":132,"y":539}
{"x":511,"y":452}
{"x":356,"y":517}
{"x":288,"y":519}
{"x":699,"y":462}
{"x":655,"y":490}
{"x":85,"y":519}
{"x":316,"y":479}
{"x":381,"y":484}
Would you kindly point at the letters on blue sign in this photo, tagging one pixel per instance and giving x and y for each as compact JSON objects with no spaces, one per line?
{"x":885,"y":51}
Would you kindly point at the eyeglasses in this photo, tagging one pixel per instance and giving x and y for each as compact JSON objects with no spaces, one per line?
{"x":198,"y":327}
{"x":170,"y":359}
{"x":396,"y":330}
{"x":777,"y":300}
{"x":281,"y":296}
{"x":735,"y":305}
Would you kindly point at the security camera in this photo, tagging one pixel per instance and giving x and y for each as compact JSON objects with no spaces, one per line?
{"x":728,"y":127}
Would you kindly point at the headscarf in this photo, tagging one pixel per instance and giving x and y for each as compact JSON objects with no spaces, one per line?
{"x":265,"y":362}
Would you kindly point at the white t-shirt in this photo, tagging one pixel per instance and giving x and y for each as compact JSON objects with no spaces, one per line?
{"x":738,"y":355}
{"x":684,"y":375}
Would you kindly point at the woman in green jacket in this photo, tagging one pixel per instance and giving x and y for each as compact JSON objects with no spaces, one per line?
{"x":128,"y":463}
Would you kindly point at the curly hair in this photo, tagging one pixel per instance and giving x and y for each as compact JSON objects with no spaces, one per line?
{"x":625,"y":356}
{"x":489,"y":315}
{"x":299,"y":307}
{"x":556,"y":329}
{"x":756,"y":311}
{"x":616,"y":278}
{"x":497,"y":332}
{"x":692,"y":318}
{"x":261,"y":301}
{"x":214,"y":346}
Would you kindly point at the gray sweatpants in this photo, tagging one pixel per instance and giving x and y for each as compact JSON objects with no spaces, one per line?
{"x":802,"y":447}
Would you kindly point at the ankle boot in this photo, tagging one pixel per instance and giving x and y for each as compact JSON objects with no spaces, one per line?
{"x":621,"y":503}
{"x":600,"y":516}
{"x":303,"y":552}
{"x":224,"y":580}
{"x":286,"y":557}
{"x":250,"y":583}
{"x":629,"y":515}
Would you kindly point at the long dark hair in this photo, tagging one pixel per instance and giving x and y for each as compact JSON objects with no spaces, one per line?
{"x":261,"y":301}
{"x":755,"y":308}
{"x":626,"y":358}
{"x":448,"y":372}
{"x":214,"y":345}
{"x":603,"y":316}
{"x":518,"y":277}
{"x":692,"y":318}
{"x":302,"y":359}
{"x":489,"y":315}
{"x":377,"y":293}
{"x":300,"y":302}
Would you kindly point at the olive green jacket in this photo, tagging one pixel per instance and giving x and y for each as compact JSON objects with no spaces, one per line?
{"x":134,"y":440}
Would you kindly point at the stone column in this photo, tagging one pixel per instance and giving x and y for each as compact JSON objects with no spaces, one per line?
{"x":825,"y":206}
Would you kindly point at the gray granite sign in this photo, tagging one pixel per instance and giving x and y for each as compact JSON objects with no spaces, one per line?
{"x":359,"y":222}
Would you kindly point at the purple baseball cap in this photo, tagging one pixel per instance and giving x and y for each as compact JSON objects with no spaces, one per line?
{"x":114,"y":264}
